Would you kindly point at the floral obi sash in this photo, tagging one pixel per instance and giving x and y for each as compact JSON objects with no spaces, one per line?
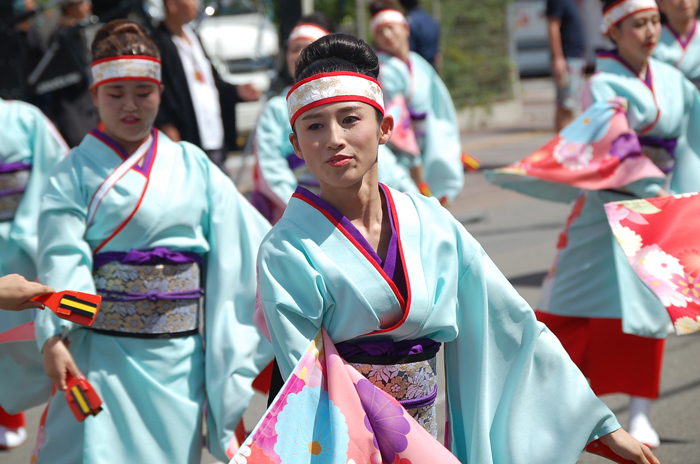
{"x":406,"y":370}
{"x":662,"y":152}
{"x":305,"y":178}
{"x":148,"y":294}
{"x":14,"y":178}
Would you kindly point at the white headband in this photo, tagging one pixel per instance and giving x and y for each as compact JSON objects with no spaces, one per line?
{"x":307,"y":31}
{"x":622,"y":9}
{"x":385,"y":17}
{"x":126,"y":68}
{"x":331,"y":88}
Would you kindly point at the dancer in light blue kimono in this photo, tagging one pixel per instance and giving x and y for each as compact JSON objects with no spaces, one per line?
{"x":679,"y":44}
{"x":29,"y":148}
{"x":432,"y":112}
{"x":611,"y":324}
{"x":152,"y":226}
{"x":278,"y":171}
{"x":392,"y":277}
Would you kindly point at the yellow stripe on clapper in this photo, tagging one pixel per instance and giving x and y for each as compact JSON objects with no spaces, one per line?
{"x":82,"y":307}
{"x":79,"y":397}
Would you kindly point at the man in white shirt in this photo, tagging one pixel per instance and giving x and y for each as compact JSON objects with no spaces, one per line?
{"x":197,"y":105}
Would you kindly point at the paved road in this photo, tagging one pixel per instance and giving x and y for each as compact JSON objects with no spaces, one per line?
{"x":519,"y":234}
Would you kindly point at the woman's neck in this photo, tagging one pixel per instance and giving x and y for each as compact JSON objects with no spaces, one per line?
{"x":360,"y":203}
{"x":682,"y":27}
{"x":638,"y":64}
{"x":129,"y":147}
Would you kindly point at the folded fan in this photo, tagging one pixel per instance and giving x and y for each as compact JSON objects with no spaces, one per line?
{"x":73,"y":306}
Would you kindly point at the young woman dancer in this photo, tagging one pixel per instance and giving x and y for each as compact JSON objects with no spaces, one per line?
{"x":30,"y":148}
{"x":679,"y":44}
{"x":432,"y":112}
{"x":382,"y":270}
{"x":611,"y":324}
{"x":278,"y":170}
{"x":153,"y":227}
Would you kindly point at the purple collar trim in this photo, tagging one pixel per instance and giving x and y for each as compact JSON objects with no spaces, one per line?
{"x":684,"y":43}
{"x":389,"y":264}
{"x":613,"y":55}
{"x":14,"y":167}
{"x":114,"y":145}
{"x":159,"y":255}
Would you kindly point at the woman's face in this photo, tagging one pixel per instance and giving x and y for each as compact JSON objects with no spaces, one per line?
{"x":392,"y":38}
{"x":127,"y":109}
{"x":293,"y":51}
{"x":339,"y":141}
{"x":637,"y":35}
{"x":678,"y":11}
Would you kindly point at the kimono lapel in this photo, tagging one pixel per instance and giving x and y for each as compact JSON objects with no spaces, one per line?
{"x":612,"y":63}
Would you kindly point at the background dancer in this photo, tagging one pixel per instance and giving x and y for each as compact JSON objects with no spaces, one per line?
{"x":278,"y":171}
{"x":611,"y":324}
{"x":150,"y":225}
{"x":432,"y":112}
{"x":679,"y":44}
{"x":385,"y":272}
{"x":30,"y":148}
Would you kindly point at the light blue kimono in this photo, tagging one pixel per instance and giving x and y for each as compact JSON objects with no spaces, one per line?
{"x":685,"y":55}
{"x":280,"y":171}
{"x":514,"y":395}
{"x":153,"y":390}
{"x":591,"y":276}
{"x":26,"y":136}
{"x":426,"y":95}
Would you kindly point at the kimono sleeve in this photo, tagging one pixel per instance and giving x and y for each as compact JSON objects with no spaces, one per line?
{"x":514,"y":394}
{"x":64,"y":257}
{"x":686,"y":172}
{"x":393,"y":173}
{"x":292,"y":295}
{"x":236,"y":352}
{"x":47,"y":148}
{"x":270,"y":139}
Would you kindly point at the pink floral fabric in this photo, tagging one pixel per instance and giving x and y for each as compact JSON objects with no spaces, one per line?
{"x":328,"y":413}
{"x":659,"y":237}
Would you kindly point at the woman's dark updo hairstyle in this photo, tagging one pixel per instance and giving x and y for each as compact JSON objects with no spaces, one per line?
{"x":608,"y":3}
{"x":337,"y":52}
{"x":380,"y":5}
{"x":122,"y":37}
{"x":320,"y":19}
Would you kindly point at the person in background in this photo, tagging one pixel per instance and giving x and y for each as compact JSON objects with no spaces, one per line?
{"x":278,"y":170}
{"x":71,"y":108}
{"x":679,"y":44}
{"x":32,"y":48}
{"x":30,"y":147}
{"x":425,"y":32}
{"x":567,"y":44}
{"x":16,"y":293}
{"x":197,"y":105}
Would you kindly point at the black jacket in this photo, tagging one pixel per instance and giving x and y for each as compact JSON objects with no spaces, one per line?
{"x":176,"y":104}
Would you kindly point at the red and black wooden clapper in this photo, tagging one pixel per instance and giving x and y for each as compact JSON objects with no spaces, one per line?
{"x":82,"y":399}
{"x":73,"y":306}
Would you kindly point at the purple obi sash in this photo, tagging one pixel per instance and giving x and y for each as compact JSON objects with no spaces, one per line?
{"x":661,"y":151}
{"x":151,"y":294}
{"x":14,"y":178}
{"x":412,"y":360}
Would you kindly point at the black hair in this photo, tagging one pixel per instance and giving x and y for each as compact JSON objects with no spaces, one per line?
{"x":319,"y":19}
{"x":409,"y":4}
{"x":338,"y":52}
{"x":608,"y":3}
{"x":122,"y":37}
{"x":380,"y":5}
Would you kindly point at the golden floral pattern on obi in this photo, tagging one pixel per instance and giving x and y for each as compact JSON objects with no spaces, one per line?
{"x":408,"y":381}
{"x":147,"y":316}
{"x":12,"y":181}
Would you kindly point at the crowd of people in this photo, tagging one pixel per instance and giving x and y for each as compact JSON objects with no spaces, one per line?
{"x":347,"y":235}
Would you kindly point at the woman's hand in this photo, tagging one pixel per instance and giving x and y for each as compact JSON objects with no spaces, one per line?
{"x":626,"y":446}
{"x":58,"y":362}
{"x":16,"y":293}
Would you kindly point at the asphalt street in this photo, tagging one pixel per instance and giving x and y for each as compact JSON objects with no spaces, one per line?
{"x":519,"y":233}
